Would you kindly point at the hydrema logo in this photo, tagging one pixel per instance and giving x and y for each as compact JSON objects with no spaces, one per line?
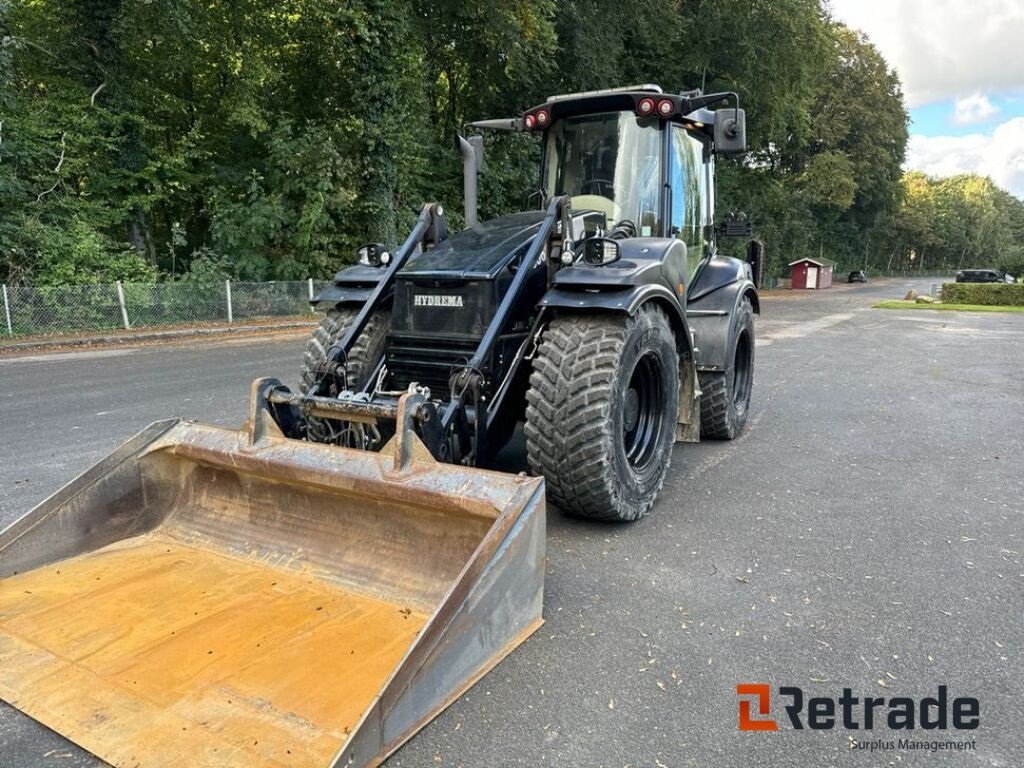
{"x":430,"y":300}
{"x":762,"y":694}
{"x":938,"y":712}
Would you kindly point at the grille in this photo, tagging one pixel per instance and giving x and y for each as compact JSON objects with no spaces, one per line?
{"x":428,"y":361}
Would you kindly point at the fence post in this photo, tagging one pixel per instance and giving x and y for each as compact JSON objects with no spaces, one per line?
{"x":312,"y":309}
{"x":7,"y":313}
{"x":120,"y":300}
{"x":227,"y":291}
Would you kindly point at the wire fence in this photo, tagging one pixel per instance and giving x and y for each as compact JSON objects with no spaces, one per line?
{"x":30,"y":311}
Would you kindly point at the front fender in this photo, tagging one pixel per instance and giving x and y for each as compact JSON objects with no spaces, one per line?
{"x":626,"y":300}
{"x":720,"y":272}
{"x":337,"y":295}
{"x":352,"y":285}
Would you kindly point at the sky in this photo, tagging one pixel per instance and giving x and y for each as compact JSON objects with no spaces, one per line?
{"x":962,"y":68}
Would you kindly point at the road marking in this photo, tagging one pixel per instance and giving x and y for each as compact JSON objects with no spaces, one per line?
{"x":937,"y":318}
{"x":59,"y":356}
{"x":799,"y":330}
{"x":978,"y":331}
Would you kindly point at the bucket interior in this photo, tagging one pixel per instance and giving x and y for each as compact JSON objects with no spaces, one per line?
{"x":252,"y":623}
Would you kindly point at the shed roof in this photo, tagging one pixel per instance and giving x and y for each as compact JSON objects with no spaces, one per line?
{"x":819,"y":262}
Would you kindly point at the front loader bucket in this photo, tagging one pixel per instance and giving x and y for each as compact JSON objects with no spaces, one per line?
{"x":210,"y":597}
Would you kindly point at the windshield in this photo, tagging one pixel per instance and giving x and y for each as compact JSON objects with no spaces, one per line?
{"x":608,"y":162}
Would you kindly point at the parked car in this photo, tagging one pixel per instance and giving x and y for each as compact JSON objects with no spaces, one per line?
{"x":857,"y":276}
{"x":984,"y":276}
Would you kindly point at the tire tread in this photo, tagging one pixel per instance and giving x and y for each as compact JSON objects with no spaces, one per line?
{"x":568,"y":415}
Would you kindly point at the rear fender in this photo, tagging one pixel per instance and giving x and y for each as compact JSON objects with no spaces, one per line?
{"x":712,"y":307}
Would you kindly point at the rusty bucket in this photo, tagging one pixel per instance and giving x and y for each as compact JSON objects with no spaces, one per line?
{"x":204,"y":596}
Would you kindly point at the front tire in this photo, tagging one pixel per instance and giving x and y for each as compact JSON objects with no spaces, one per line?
{"x":365,"y":352}
{"x":601,"y":412}
{"x":360,"y":365}
{"x":725,"y":395}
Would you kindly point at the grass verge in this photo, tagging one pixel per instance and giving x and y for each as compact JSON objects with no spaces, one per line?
{"x":899,"y":304}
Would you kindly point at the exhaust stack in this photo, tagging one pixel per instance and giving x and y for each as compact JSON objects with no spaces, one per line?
{"x":472,"y":163}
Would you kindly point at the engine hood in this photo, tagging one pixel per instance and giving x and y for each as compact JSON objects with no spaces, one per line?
{"x":479,"y":252}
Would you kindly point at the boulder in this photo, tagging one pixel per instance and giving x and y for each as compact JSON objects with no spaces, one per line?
{"x":911,"y":295}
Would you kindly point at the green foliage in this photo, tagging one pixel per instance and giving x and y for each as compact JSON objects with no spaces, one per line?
{"x":959,"y":222}
{"x":984,"y":294}
{"x":208,"y":266}
{"x":267,"y":139}
{"x":75,"y":253}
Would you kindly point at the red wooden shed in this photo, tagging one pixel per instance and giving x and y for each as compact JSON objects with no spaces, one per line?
{"x":811,"y":273}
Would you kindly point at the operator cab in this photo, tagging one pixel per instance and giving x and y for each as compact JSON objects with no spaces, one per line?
{"x":642,"y":158}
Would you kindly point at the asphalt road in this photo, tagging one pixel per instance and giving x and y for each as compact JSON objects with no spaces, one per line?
{"x":864,"y":532}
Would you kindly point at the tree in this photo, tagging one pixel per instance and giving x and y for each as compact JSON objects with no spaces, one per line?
{"x":267,"y":139}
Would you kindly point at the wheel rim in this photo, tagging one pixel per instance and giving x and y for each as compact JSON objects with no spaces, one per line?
{"x":643,"y":412}
{"x":743,"y":369}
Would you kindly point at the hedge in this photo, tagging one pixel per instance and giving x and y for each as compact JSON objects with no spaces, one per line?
{"x":987,"y":294}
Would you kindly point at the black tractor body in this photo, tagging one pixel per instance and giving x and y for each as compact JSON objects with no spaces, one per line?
{"x":606,"y":321}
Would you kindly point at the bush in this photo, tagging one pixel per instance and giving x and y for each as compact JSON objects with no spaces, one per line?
{"x":77,"y":253}
{"x":986,"y":294}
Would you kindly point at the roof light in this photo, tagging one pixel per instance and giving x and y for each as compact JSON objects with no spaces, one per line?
{"x":542,"y":118}
{"x":666,"y":107}
{"x":645,"y":106}
{"x":529,"y":121}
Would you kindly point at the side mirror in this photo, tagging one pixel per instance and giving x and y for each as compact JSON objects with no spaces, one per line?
{"x":374,"y":255}
{"x":736,"y":225}
{"x":600,"y":251}
{"x":730,"y":131}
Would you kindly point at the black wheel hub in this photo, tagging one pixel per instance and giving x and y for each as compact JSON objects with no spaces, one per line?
{"x":642,"y":412}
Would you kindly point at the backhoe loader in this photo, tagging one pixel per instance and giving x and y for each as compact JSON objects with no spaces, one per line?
{"x":313,"y":588}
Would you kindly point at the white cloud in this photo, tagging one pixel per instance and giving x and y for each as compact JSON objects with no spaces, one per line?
{"x":975,"y":108}
{"x":999,"y":155}
{"x":944,"y":49}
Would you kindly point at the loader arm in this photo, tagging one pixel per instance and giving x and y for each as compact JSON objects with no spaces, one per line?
{"x":331,"y":376}
{"x":467,"y":382}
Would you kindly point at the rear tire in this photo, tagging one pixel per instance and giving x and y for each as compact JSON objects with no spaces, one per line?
{"x":725,"y":398}
{"x":601,"y":412}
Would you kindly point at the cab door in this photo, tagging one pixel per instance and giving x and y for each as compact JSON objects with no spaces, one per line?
{"x":689,"y":195}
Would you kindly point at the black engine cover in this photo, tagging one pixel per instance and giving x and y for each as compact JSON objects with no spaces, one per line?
{"x":446,"y":297}
{"x":445,"y":308}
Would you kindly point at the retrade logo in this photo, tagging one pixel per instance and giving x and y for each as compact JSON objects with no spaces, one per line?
{"x":939,"y":712}
{"x":761,"y":692}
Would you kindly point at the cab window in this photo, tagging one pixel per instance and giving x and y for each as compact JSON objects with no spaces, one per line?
{"x":608,"y":162}
{"x":688,"y":181}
